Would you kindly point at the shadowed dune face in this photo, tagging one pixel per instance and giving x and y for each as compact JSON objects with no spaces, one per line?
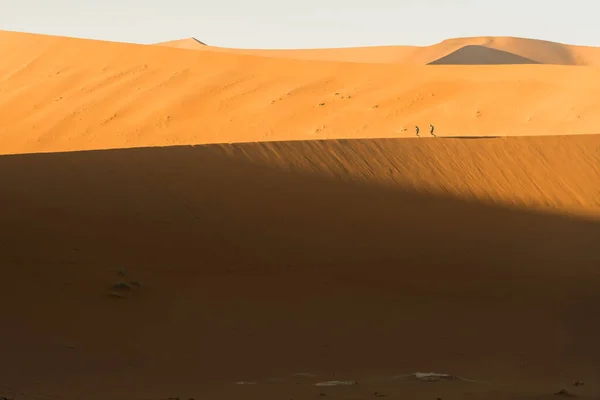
{"x":539,"y":51}
{"x":346,"y":259}
{"x":480,"y":55}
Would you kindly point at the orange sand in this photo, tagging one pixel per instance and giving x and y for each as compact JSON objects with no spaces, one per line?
{"x":67,"y":94}
{"x":286,"y":260}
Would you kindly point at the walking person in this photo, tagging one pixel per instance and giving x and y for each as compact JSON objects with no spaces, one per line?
{"x":417,"y":131}
{"x":431,"y":129}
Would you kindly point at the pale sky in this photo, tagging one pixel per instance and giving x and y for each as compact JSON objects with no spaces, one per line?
{"x":306,"y":23}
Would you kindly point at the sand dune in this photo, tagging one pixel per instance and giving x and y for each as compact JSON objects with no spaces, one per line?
{"x":343,"y":259}
{"x":142,"y":272}
{"x":540,"y":51}
{"x":189,"y":43}
{"x":62,"y":94}
{"x":481,"y":55}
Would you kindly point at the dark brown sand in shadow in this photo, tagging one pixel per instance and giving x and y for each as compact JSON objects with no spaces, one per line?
{"x":348,"y":260}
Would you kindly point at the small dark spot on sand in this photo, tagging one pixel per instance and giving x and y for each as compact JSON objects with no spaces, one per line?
{"x":121,"y":286}
{"x":564,"y":392}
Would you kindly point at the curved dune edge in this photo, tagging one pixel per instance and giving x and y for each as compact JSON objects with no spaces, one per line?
{"x":61,"y":94}
{"x":391,"y":248}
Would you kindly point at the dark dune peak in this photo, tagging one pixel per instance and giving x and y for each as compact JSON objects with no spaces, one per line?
{"x":481,"y":55}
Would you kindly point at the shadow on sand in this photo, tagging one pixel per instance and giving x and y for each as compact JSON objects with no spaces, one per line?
{"x":481,"y":55}
{"x":250,"y":271}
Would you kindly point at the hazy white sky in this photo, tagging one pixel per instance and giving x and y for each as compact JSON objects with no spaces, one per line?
{"x":305,"y":23}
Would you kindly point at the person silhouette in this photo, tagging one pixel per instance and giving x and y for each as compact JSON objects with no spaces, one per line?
{"x":431,"y":129}
{"x":417,"y":130}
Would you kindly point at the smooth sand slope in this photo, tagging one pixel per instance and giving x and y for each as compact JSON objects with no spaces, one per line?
{"x":61,"y":94}
{"x":539,"y":51}
{"x":346,"y":260}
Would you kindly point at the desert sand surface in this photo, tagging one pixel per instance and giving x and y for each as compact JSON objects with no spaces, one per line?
{"x":176,"y":225}
{"x":62,"y":94}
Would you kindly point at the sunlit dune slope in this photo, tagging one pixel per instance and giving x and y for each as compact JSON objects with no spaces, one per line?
{"x":539,"y":51}
{"x":345,"y":259}
{"x":60,"y":94}
{"x":190,"y":44}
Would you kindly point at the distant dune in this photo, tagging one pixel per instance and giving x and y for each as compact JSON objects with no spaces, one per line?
{"x":190,"y":44}
{"x":70,"y":94}
{"x":538,"y":51}
{"x":481,"y":55}
{"x":211,"y":244}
